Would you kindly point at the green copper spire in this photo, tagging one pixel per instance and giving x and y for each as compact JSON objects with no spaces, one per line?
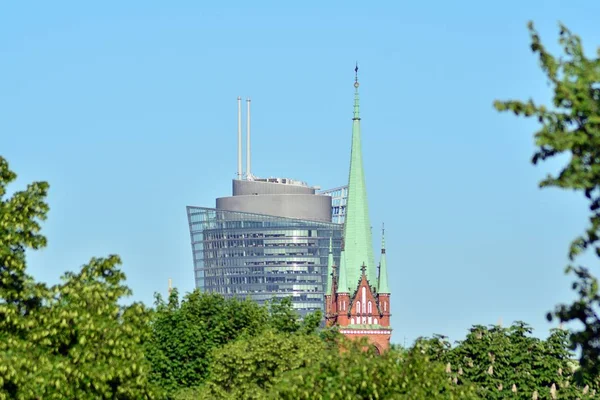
{"x":357,"y":228}
{"x":383,"y":275}
{"x":330,"y":268}
{"x":342,"y":285}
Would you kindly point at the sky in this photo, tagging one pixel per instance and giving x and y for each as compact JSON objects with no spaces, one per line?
{"x":128,"y":110}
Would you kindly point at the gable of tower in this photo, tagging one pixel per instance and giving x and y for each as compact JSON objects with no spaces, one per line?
{"x":364,"y":308}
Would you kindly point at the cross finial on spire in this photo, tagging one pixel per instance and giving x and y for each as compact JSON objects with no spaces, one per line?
{"x":356,"y":85}
{"x":382,"y":238}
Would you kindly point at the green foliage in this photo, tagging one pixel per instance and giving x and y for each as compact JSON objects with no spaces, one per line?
{"x":71,"y":340}
{"x":247,"y":368}
{"x":20,"y":217}
{"x":187,"y":335}
{"x":211,"y":347}
{"x":572,"y":127}
{"x":356,"y":374}
{"x":184,"y":335}
{"x":283,"y":317}
{"x":509,"y":362}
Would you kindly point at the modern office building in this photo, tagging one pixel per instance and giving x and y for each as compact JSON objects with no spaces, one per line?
{"x":269,"y":239}
{"x":261,"y":256}
{"x":339,"y":198}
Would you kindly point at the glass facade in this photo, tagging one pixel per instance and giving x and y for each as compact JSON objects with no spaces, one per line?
{"x":339,"y":197}
{"x":262,"y":257}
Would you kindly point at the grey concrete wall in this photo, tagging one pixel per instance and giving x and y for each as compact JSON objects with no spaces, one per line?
{"x":302,"y":206}
{"x":242,"y":188}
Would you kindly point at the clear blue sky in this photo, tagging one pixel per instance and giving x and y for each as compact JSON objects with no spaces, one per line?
{"x":128,"y":109}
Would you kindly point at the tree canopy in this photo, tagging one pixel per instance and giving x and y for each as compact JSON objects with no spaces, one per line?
{"x":510,"y":362}
{"x":571,"y":126}
{"x":71,"y":340}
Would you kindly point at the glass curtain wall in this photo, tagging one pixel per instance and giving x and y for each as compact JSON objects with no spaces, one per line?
{"x":339,"y":198}
{"x":261,"y":257}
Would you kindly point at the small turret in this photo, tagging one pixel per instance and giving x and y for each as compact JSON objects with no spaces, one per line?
{"x":329,"y":289}
{"x":342,"y":284}
{"x":383,"y":286}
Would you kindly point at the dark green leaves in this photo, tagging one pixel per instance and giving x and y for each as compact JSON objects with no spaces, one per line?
{"x":185,"y":334}
{"x":72,"y":340}
{"x":572,"y":127}
{"x":495,"y":360}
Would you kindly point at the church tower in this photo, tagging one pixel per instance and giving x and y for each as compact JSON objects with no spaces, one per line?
{"x":357,"y":300}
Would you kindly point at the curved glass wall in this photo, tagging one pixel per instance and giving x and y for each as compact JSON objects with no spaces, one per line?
{"x":261,"y":257}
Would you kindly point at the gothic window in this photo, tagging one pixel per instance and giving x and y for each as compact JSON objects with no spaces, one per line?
{"x":364,"y":320}
{"x":370,"y":319}
{"x":364,"y":296}
{"x":375,"y":321}
{"x":385,"y":306}
{"x":370,"y":307}
{"x":352,"y":321}
{"x":358,"y":307}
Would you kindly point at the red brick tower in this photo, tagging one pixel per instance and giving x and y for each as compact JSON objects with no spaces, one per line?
{"x":357,"y":299}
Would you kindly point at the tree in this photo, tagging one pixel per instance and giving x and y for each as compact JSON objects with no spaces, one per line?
{"x":184,"y":335}
{"x":71,"y":340}
{"x":283,"y":317}
{"x":247,"y":368}
{"x":356,"y":374}
{"x":572,"y":127}
{"x":509,"y":362}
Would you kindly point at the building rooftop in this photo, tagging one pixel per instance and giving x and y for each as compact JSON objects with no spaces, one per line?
{"x":282,"y":181}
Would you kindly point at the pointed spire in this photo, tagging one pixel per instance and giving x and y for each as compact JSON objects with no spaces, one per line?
{"x":357,"y":227}
{"x":329,"y":288}
{"x":383,"y":275}
{"x":342,"y":285}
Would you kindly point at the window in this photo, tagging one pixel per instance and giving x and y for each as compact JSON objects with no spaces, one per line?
{"x":375,"y":321}
{"x":385,"y":306}
{"x":370,"y":306}
{"x":358,"y":307}
{"x":352,"y":321}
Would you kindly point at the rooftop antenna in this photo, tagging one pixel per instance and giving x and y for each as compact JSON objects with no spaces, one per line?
{"x":248,"y":173}
{"x":239,"y":145}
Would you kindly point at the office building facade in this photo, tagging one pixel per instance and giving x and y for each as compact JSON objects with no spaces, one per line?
{"x":339,"y":198}
{"x":262,"y":257}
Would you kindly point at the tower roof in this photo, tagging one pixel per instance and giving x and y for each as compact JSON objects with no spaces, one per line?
{"x":357,"y":227}
{"x":383,"y":275}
